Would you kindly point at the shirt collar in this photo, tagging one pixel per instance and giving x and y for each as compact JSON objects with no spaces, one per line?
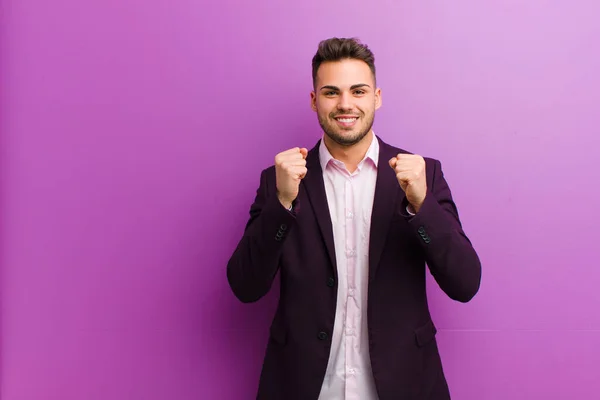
{"x":372,"y":153}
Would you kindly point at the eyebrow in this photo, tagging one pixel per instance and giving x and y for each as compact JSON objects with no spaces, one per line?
{"x":358,"y":85}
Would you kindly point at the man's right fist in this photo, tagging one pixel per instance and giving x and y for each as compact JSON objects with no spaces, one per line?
{"x":290,"y":168}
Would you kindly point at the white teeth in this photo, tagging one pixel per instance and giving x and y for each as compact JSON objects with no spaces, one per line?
{"x":346,"y":120}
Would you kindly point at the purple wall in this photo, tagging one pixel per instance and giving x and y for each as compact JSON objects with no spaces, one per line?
{"x":132,"y":137}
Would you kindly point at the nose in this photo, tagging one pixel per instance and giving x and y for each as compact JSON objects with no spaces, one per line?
{"x":344,"y":101}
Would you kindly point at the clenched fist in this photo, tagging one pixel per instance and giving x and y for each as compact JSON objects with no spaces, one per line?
{"x":410,"y":172}
{"x":290,"y":168}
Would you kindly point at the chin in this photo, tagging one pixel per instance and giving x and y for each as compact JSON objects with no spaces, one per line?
{"x":346,"y":138}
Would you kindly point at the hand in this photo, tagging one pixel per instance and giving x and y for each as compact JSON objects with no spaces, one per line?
{"x":410,"y":172}
{"x":290,"y":168}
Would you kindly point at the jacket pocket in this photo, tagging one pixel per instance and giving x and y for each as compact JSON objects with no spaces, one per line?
{"x":425,"y":333}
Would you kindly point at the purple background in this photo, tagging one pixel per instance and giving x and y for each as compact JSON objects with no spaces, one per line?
{"x":132,"y":137}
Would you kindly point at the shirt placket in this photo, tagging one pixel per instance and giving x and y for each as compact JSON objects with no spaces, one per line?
{"x":352,"y":310}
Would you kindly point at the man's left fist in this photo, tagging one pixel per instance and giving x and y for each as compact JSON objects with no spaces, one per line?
{"x":410,"y":172}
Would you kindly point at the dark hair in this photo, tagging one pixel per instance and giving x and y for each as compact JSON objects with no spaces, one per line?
{"x":337,"y":49}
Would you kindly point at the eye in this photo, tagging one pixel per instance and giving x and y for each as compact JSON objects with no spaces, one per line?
{"x":330,"y":93}
{"x":359,"y":92}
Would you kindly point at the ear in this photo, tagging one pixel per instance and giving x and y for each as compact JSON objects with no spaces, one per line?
{"x":377,"y":98}
{"x":313,"y":101}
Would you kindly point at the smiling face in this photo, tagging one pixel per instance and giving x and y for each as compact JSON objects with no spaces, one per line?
{"x":345,"y":99}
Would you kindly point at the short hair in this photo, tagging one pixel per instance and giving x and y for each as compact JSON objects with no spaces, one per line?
{"x":337,"y":49}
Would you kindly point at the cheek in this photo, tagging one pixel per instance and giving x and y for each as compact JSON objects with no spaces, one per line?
{"x":323,"y":108}
{"x":367,"y":107}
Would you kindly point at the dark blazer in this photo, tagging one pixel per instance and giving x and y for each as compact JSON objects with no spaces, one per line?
{"x":299,"y":244}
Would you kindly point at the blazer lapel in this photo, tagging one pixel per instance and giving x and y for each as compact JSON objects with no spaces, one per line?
{"x":315,"y":190}
{"x":387,"y":192}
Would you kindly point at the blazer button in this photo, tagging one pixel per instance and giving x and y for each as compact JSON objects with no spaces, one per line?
{"x":330,"y":282}
{"x":421,"y":230}
{"x":322,"y":336}
{"x":283,"y":227}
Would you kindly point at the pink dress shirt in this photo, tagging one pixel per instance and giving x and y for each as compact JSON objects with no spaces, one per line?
{"x":350,"y":198}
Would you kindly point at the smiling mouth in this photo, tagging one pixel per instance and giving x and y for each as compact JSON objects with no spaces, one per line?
{"x":346,"y":120}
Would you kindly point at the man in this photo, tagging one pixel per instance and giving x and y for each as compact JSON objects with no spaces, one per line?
{"x":351,"y":226}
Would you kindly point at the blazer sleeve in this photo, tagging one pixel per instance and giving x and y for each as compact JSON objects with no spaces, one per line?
{"x":451,"y":258}
{"x":253,"y":265}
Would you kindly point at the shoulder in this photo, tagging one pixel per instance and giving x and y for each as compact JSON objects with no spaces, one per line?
{"x":267,"y":175}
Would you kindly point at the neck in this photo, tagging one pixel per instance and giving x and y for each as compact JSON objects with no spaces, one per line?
{"x":351,"y":155}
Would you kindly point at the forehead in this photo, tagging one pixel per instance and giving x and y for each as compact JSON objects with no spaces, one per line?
{"x":344,"y":73}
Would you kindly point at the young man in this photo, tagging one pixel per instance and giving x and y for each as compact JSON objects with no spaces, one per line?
{"x":351,"y":226}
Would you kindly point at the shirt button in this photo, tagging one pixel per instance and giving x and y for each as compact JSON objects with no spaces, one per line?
{"x":351,"y":253}
{"x":350,"y":214}
{"x":351,"y":371}
{"x":350,"y":332}
{"x":351,"y":292}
